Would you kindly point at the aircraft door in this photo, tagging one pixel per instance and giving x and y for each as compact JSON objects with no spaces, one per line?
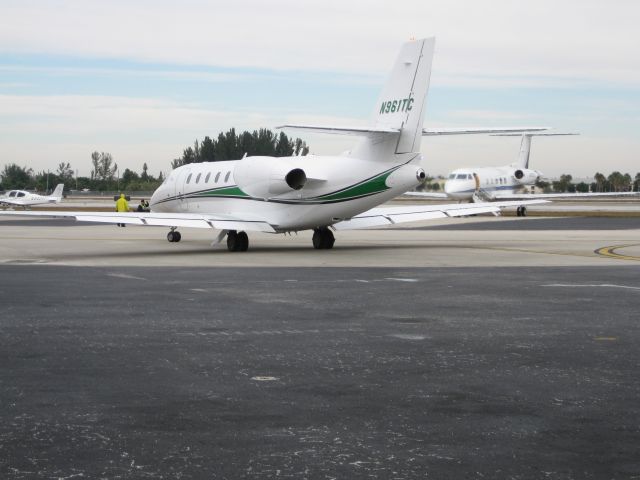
{"x":477,"y":180}
{"x":181,"y":188}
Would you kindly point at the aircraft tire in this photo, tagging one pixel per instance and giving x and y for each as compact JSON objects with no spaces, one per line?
{"x":232,"y":241}
{"x":323,"y":239}
{"x":243,"y":241}
{"x":171,"y":236}
{"x":177,"y":236}
{"x":524,"y":211}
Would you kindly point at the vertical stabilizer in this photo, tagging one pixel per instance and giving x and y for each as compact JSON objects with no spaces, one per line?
{"x":402,"y":102}
{"x":57,"y":193}
{"x":525,"y":150}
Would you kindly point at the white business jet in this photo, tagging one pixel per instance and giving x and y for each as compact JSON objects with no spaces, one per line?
{"x":22,"y":198}
{"x":508,"y":182}
{"x":322,"y":193}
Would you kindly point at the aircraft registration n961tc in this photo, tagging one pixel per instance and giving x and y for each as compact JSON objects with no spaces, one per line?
{"x":322,"y":193}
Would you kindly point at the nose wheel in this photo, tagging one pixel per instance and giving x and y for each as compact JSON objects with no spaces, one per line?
{"x":323,"y":239}
{"x":174,"y":236}
{"x":237,"y":241}
{"x":521,"y":211}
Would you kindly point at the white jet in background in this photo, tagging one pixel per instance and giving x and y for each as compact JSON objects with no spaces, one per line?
{"x":508,"y":182}
{"x":321,"y":193}
{"x":22,"y":198}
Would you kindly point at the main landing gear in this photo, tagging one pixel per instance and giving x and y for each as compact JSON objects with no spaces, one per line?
{"x":237,"y":241}
{"x":323,"y":239}
{"x":521,"y":211}
{"x":174,"y":235}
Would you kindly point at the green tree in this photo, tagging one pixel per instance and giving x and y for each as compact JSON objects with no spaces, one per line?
{"x":64,"y":172}
{"x":617,"y":181}
{"x":636,"y":183}
{"x":14,"y":176}
{"x":145,"y":175}
{"x":600,"y":181}
{"x":128,"y":177}
{"x":104,"y":168}
{"x":582,"y":187}
{"x":563,"y":184}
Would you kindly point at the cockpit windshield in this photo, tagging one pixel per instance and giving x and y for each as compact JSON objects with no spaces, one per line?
{"x":461,"y":176}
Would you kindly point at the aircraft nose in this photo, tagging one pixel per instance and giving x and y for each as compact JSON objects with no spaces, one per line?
{"x":449,"y":187}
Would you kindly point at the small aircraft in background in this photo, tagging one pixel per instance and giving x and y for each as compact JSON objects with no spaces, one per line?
{"x":508,"y":182}
{"x":22,"y":198}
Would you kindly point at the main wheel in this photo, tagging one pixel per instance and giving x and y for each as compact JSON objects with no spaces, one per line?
{"x":243,"y":242}
{"x":232,"y":241}
{"x":177,"y":236}
{"x":523,"y":211}
{"x":171,"y":236}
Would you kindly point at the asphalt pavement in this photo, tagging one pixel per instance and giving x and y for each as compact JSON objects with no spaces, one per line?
{"x":203,"y":373}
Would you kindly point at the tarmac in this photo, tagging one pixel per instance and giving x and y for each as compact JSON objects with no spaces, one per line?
{"x":466,"y":348}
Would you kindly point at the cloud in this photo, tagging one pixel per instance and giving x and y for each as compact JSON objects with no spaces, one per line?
{"x":583,"y":40}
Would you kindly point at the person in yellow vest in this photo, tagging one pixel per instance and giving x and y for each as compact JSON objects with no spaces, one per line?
{"x":122,"y":206}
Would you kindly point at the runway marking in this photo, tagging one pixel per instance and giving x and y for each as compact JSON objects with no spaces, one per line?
{"x":606,"y":339}
{"x":124,"y":275}
{"x":610,"y":252}
{"x":408,"y":336}
{"x":264,"y":379}
{"x":524,"y":250}
{"x":590,"y":285}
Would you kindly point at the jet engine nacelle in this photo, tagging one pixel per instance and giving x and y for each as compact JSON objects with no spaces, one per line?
{"x":266,"y":177}
{"x":524,"y":176}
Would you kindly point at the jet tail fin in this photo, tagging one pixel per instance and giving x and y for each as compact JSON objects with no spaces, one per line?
{"x":525,"y":144}
{"x":57,"y":193}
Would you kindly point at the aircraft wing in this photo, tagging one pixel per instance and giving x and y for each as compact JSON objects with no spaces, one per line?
{"x":527,"y":196}
{"x":426,"y":132}
{"x":380,"y":216}
{"x":190,"y":220}
{"x":426,"y":195}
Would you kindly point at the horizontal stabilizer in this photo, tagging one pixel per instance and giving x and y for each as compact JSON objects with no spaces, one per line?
{"x":360,"y":131}
{"x":471,"y":131}
{"x":533,"y":134}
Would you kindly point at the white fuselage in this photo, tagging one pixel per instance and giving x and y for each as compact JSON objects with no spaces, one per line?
{"x":463,"y":183}
{"x":24,"y":198}
{"x":336,"y":188}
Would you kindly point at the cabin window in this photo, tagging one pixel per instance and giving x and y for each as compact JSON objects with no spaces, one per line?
{"x":206,"y":179}
{"x":217,"y":177}
{"x":226,"y":177}
{"x":198,"y":177}
{"x":21,"y":194}
{"x":189,"y":177}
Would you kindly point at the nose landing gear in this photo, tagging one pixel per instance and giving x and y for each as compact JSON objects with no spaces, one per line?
{"x":521,"y":211}
{"x":323,"y":239}
{"x":174,"y":235}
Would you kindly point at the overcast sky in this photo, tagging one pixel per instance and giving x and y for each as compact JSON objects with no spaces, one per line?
{"x":144,"y":79}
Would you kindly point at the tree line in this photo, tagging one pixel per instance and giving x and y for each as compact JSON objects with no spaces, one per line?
{"x":232,"y":146}
{"x":105,"y":175}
